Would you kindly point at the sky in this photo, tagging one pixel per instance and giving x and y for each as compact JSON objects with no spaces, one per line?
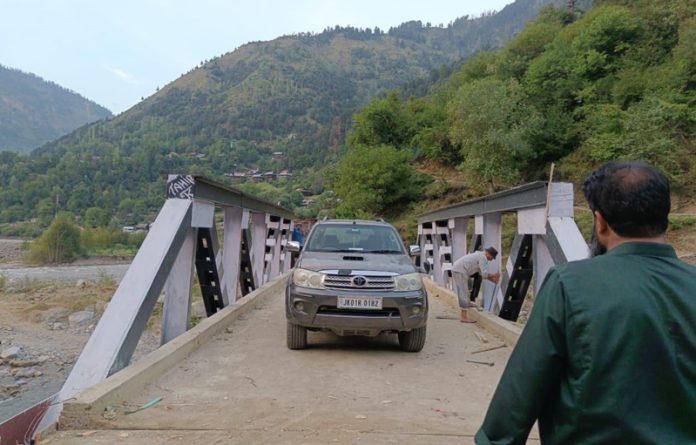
{"x":116,"y":52}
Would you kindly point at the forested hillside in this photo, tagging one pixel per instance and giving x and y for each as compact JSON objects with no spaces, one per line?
{"x":34,"y":111}
{"x":618,"y":82}
{"x":294,"y":95}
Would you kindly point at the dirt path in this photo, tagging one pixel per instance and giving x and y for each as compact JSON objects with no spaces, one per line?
{"x":246,"y":387}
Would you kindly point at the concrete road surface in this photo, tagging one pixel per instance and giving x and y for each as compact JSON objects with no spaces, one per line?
{"x":246,"y":387}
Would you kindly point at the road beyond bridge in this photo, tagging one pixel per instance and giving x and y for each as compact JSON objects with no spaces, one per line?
{"x":245,"y":386}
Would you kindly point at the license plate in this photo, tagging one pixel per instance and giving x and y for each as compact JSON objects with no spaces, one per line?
{"x":359,"y":303}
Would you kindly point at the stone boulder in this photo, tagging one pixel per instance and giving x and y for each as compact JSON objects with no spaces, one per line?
{"x":80,"y":319}
{"x":11,"y":352}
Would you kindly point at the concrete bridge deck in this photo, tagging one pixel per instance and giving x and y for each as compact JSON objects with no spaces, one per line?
{"x":245,"y":386}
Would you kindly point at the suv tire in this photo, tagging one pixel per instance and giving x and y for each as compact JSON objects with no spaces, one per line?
{"x":296,"y":336}
{"x":413,"y":340}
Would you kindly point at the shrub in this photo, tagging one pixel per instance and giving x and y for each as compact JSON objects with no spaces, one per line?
{"x":111,"y":241}
{"x":677,"y":222}
{"x":60,"y":242}
{"x":375,"y":180}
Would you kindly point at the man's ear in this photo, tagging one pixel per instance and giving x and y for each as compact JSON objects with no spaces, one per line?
{"x":601,"y":225}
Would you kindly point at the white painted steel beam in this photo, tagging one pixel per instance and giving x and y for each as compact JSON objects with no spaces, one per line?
{"x":219,"y":264}
{"x":286,"y":259}
{"x":506,"y":273}
{"x":492,"y":232}
{"x":226,"y":196}
{"x":561,"y":201}
{"x":233,"y":224}
{"x":542,"y":261}
{"x":437,"y":260}
{"x":459,"y":228}
{"x":203,"y":214}
{"x":478,"y":225}
{"x":176,"y":313}
{"x":274,"y":266}
{"x":422,"y":240}
{"x":526,"y":195}
{"x":564,"y":240}
{"x":531,"y":221}
{"x":258,"y":247}
{"x":115,"y":337}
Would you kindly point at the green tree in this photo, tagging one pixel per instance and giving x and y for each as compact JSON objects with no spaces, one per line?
{"x":375,"y":180}
{"x":45,"y":210}
{"x":60,"y":242}
{"x":96,"y":217}
{"x":486,"y":124}
{"x":514,"y":59}
{"x":431,"y":140}
{"x":383,"y":121}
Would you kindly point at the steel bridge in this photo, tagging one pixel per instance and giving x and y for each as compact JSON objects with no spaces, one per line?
{"x":230,"y":378}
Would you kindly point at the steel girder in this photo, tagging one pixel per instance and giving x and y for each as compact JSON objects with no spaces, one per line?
{"x":524,"y":196}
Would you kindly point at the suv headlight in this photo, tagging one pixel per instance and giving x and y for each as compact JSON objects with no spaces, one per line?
{"x":410,"y":281}
{"x":308,"y":278}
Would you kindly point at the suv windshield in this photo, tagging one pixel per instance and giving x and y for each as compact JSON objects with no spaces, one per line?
{"x":354,"y":238}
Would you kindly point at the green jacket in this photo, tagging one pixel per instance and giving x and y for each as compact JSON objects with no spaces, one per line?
{"x":608,"y":355}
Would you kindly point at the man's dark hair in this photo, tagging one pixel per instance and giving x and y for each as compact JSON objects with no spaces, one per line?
{"x":632,"y":196}
{"x":493,"y":251}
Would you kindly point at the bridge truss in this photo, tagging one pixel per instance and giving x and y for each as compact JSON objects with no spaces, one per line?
{"x":546,"y":235}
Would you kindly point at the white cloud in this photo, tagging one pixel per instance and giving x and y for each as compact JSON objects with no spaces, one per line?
{"x":123,"y":75}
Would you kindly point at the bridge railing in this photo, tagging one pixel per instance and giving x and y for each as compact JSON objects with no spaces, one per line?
{"x":546,"y":235}
{"x":183,"y":240}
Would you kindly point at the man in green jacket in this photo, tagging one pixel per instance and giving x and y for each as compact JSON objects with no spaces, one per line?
{"x":608,"y":355}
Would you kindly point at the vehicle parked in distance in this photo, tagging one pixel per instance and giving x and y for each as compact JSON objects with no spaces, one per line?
{"x":354,"y":277}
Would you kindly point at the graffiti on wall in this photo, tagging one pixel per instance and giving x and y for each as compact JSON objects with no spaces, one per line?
{"x":180,"y":186}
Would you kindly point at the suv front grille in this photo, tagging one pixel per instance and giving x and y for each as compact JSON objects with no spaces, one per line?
{"x":387,"y":312}
{"x":347,"y":282}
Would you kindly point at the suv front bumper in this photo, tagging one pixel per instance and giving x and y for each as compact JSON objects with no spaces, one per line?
{"x":316,"y":309}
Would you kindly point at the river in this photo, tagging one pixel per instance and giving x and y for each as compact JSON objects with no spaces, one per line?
{"x":63,"y":273}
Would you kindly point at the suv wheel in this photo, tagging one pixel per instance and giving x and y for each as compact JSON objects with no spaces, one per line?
{"x":413,"y":340}
{"x":296,"y":336}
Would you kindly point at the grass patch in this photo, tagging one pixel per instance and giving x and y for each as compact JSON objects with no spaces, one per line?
{"x":117,"y":250}
{"x":195,"y":319}
{"x":583,"y":219}
{"x":677,"y":222}
{"x":26,"y":285}
{"x":104,"y":279}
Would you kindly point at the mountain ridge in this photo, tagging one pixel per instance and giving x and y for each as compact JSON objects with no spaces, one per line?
{"x":34,"y":111}
{"x":294,"y":95}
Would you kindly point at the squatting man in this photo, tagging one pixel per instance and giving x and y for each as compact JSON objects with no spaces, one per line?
{"x":466,"y":266}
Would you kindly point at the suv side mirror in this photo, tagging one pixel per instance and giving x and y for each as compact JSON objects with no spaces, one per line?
{"x":293,"y":246}
{"x":414,"y":250}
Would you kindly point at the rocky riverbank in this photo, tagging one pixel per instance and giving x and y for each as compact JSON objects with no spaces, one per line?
{"x":11,"y":250}
{"x":43,"y":327}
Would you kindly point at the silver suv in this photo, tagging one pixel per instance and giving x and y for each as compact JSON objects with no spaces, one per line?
{"x":355,"y":277}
